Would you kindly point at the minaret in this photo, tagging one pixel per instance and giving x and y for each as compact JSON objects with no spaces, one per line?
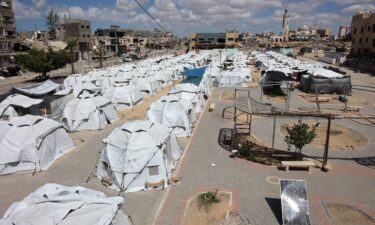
{"x":286,"y":25}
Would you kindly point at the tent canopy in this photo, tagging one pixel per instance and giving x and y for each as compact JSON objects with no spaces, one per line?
{"x":88,"y":114}
{"x":31,"y":142}
{"x":56,"y":204}
{"x":17,"y":100}
{"x":44,"y":88}
{"x":135,"y":149}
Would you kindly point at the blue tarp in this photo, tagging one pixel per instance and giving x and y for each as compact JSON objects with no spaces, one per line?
{"x":197,"y":72}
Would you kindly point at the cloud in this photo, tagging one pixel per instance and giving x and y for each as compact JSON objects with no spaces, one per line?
{"x":182,"y":16}
{"x":358,"y":7}
{"x":23,"y":11}
{"x":346,"y":2}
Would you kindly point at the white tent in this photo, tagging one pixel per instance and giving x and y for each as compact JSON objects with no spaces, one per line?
{"x":31,"y":143}
{"x":321,"y":72}
{"x":139,"y":152}
{"x":86,"y":90}
{"x":54,"y":204}
{"x":147,"y":84}
{"x":88,"y":114}
{"x":7,"y":107}
{"x":173,"y":113}
{"x":189,"y":92}
{"x":124,"y":97}
{"x":76,"y":79}
{"x":231,"y":79}
{"x":44,"y":88}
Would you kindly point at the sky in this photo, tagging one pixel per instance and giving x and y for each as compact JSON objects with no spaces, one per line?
{"x":185,"y":16}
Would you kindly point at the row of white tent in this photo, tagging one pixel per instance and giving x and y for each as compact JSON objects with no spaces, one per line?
{"x":32,"y":143}
{"x":235,"y":75}
{"x":276,"y":64}
{"x":135,"y":153}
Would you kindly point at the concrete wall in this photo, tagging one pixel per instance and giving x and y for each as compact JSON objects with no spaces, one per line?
{"x":363,"y":33}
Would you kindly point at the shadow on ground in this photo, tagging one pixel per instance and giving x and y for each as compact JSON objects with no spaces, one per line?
{"x":275,"y":205}
{"x":366,"y":161}
{"x":222,"y":142}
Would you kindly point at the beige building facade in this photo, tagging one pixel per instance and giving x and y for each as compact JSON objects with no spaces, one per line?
{"x":213,"y":40}
{"x":363,"y":33}
{"x":7,"y":32}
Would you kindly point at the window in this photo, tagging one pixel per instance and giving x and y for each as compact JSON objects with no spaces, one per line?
{"x":82,"y":26}
{"x":353,"y":41}
{"x":368,"y":28}
{"x":373,"y":42}
{"x":366,"y":40}
{"x":193,"y":39}
{"x":153,"y":170}
{"x":88,"y":27}
{"x":88,"y":35}
{"x":360,"y":41}
{"x":201,"y":39}
{"x":211,"y":39}
{"x":83,"y":35}
{"x":355,"y":30}
{"x":362,"y":30}
{"x":230,"y":39}
{"x":373,"y":28}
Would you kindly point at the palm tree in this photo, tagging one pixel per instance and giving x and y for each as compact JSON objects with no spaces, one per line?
{"x":72,"y":44}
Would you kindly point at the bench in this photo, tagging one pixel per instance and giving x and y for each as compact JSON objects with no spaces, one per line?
{"x":354,"y":108}
{"x":323,"y":99}
{"x":212,"y":107}
{"x":155,"y":184}
{"x":297,"y":164}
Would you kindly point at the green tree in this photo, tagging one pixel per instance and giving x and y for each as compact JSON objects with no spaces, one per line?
{"x":72,"y":44}
{"x":299,"y":135}
{"x":52,"y":20}
{"x":40,"y":61}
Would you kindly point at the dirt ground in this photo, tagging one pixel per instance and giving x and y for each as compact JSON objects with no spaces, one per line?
{"x":277,"y":99}
{"x":342,"y":138}
{"x":138,"y":112}
{"x":253,"y":139}
{"x":214,"y":215}
{"x":334,"y":99}
{"x":346,"y":215}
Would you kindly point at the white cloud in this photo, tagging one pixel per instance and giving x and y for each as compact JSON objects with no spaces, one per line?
{"x":182,"y":16}
{"x":23,"y":11}
{"x":358,"y":7}
{"x":346,"y":2}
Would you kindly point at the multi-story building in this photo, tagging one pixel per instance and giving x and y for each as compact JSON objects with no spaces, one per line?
{"x":116,"y":39}
{"x":344,"y":31}
{"x":113,"y":38}
{"x":213,"y":40}
{"x":75,"y":28}
{"x":363,"y":33}
{"x":7,"y":32}
{"x":324,"y":33}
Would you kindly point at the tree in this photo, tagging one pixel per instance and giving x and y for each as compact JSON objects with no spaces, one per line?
{"x":72,"y":44}
{"x":299,"y":135}
{"x":100,"y":51}
{"x":40,"y":61}
{"x":52,"y":20}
